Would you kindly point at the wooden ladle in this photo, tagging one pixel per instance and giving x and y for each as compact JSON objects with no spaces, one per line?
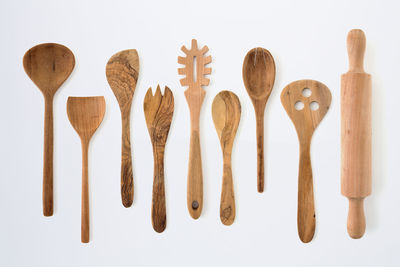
{"x":259,"y":78}
{"x":158,"y":110}
{"x":122,"y":72}
{"x":85,"y":115}
{"x":306,"y":102}
{"x":226,"y":115}
{"x":48,"y":66}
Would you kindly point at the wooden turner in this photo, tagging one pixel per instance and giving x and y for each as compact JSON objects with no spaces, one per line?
{"x":48,"y":66}
{"x":158,"y":110}
{"x":306,"y":112}
{"x":195,"y":72}
{"x":226,"y":116}
{"x":85,"y":115}
{"x":122,"y":72}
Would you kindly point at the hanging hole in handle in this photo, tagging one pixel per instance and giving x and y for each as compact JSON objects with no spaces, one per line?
{"x":314,"y":105}
{"x":306,"y":92}
{"x":195,"y":205}
{"x":299,"y":105}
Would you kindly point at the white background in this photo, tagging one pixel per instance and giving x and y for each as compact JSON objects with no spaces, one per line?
{"x":307,"y":40}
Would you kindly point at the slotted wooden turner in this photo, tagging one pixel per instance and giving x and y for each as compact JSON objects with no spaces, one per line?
{"x":306,"y":112}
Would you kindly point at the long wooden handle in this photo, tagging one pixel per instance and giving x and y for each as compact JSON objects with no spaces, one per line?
{"x":126,"y":163}
{"x":356,"y":218}
{"x":85,"y":194}
{"x":158,"y":209}
{"x":260,"y":149}
{"x":195,"y":176}
{"x":227,"y":207}
{"x":305,"y":208}
{"x":48,"y":158}
{"x":356,"y":43}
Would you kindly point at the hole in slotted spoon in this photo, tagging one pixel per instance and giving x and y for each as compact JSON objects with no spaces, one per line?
{"x":306,"y":92}
{"x":314,"y":105}
{"x":299,"y":105}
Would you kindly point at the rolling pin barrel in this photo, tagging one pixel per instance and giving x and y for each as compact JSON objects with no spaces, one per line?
{"x":356,"y":134}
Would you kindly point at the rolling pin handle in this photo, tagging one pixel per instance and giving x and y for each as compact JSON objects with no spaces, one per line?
{"x":356,"y":218}
{"x":356,"y":43}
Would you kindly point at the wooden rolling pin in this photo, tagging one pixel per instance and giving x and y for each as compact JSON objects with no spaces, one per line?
{"x":356,"y":134}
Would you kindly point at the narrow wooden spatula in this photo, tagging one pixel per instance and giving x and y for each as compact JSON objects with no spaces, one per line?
{"x":48,"y":66}
{"x":85,"y":115}
{"x":122,"y":72}
{"x":306,"y":111}
{"x":226,"y":116}
{"x":158,"y":110}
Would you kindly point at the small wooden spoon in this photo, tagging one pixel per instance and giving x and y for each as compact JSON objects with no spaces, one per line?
{"x":306,"y":112}
{"x":122,"y":72}
{"x":226,"y":115}
{"x":259,"y":77}
{"x":85,"y":115}
{"x":48,"y":66}
{"x":158,"y":111}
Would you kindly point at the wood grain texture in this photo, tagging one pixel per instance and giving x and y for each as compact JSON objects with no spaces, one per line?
{"x":122,"y":73}
{"x":356,"y":132}
{"x":259,"y":77}
{"x":226,"y":112}
{"x":158,"y":110}
{"x":85,"y":115}
{"x":48,"y":65}
{"x":195,"y":71}
{"x":305,"y":122}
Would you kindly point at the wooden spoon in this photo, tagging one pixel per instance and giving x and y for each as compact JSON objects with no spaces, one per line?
{"x":259,"y":77}
{"x":85,"y":115}
{"x":158,"y":111}
{"x":48,"y":66}
{"x":122,"y":72}
{"x":226,"y":115}
{"x":306,"y":112}
{"x":195,"y":61}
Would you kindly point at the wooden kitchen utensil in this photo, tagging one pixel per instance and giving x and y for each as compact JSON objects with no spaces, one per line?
{"x":306,"y":112}
{"x":85,"y":115}
{"x":258,"y":78}
{"x":226,"y":115}
{"x":356,"y":131}
{"x":158,"y":110}
{"x":195,"y":72}
{"x":122,"y":72}
{"x":48,"y":66}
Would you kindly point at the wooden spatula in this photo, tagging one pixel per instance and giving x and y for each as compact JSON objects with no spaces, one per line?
{"x":226,"y":115}
{"x":48,"y":66}
{"x":306,"y":102}
{"x":259,"y":77}
{"x":158,"y":110}
{"x":122,"y":72}
{"x":85,"y":115}
{"x":195,"y":71}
